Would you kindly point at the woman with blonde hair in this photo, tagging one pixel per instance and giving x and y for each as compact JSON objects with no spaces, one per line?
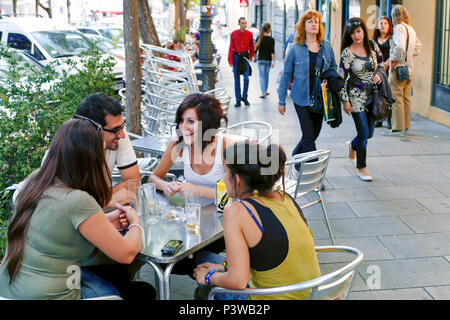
{"x":404,"y":46}
{"x":308,"y":47}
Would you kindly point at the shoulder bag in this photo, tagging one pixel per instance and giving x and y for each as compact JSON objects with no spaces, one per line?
{"x":403,"y":71}
{"x":315,"y":102}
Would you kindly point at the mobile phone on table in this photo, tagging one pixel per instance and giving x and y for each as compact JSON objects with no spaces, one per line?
{"x":172,"y":247}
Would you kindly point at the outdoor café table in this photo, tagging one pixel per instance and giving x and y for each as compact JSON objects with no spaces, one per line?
{"x":157,"y":235}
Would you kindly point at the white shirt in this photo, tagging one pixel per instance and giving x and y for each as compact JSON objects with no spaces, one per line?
{"x":124,"y":157}
{"x":398,"y":46}
{"x":208,"y":180}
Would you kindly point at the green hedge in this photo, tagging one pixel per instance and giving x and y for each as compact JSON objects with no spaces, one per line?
{"x":33,"y":105}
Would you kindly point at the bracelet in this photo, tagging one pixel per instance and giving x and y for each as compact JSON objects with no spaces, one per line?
{"x":135,"y":225}
{"x":208,"y":276}
{"x":225,"y":265}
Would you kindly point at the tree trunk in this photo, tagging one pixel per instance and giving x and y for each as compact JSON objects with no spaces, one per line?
{"x":47,"y":9}
{"x":146,"y":25}
{"x":68,"y":11}
{"x":133,"y":65}
{"x":15,"y":7}
{"x":177,"y":15}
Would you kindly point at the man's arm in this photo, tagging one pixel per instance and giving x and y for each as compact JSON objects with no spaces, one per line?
{"x":231,"y":51}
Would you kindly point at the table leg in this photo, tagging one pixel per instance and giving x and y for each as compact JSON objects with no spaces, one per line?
{"x":159,"y":279}
{"x":167,"y":272}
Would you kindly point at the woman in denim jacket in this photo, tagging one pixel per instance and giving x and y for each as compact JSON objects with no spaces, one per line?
{"x":301,"y":61}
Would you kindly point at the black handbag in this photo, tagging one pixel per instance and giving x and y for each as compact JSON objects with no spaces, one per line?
{"x":316,"y":100}
{"x":380,"y":106}
{"x":403,"y":71}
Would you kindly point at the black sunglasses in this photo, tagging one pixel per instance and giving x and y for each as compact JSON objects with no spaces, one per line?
{"x":96,"y":124}
{"x":117,"y":129}
{"x":354,"y":23}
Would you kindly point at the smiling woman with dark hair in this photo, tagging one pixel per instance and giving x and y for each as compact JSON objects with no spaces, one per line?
{"x":198,"y":119}
{"x":358,"y":66}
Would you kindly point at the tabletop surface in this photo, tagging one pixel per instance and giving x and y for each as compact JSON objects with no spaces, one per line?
{"x":157,"y":235}
{"x":151,"y":144}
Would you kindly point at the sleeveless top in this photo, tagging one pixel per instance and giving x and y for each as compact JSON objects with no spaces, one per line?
{"x":285,"y":254}
{"x":209,"y":179}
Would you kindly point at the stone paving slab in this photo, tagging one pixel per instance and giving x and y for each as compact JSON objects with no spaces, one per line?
{"x":409,"y":273}
{"x":436,"y":205}
{"x":405,"y":192}
{"x":428,"y":223}
{"x":399,"y":294}
{"x":387,"y":208}
{"x":440,"y":292}
{"x":417,"y":245}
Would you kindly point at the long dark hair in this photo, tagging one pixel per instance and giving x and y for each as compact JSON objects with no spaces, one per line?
{"x":208,"y":110}
{"x":77,"y":159}
{"x":259,"y":167}
{"x":350,"y":26}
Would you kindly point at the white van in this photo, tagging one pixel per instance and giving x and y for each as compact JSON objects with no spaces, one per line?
{"x":46,"y":40}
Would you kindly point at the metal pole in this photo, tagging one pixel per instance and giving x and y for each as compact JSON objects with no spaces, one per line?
{"x":205,"y":58}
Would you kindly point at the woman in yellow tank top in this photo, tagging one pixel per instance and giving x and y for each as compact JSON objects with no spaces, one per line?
{"x":267,"y":240}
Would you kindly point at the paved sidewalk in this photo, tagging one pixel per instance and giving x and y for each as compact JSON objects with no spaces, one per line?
{"x":400,"y":220}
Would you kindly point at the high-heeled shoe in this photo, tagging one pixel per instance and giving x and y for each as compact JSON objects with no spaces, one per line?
{"x":364,"y":178}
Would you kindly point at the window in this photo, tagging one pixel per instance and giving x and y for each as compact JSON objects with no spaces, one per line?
{"x":323,"y":6}
{"x":19,"y":41}
{"x":441,"y":90}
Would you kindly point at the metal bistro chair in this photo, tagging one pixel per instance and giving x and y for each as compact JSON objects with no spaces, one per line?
{"x":331,"y":286}
{"x":255,"y":131}
{"x":309,"y":178}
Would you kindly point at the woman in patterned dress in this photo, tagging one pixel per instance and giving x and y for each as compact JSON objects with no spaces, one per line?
{"x":359,"y":61}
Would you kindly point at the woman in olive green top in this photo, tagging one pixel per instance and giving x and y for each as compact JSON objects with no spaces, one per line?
{"x":267,"y":240}
{"x":59,"y":222}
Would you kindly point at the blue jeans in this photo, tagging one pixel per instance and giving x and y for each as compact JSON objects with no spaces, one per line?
{"x":93,"y":286}
{"x":237,"y":80}
{"x":203,"y":290}
{"x":264,"y":69}
{"x":365,"y":126}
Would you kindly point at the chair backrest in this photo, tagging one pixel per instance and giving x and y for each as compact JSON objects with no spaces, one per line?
{"x":331,"y":286}
{"x":311,"y":174}
{"x":254,"y":131}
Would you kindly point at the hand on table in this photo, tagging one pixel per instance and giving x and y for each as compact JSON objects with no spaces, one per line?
{"x":118,"y":218}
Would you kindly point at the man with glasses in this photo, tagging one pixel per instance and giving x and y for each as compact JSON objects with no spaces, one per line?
{"x":119,"y":152}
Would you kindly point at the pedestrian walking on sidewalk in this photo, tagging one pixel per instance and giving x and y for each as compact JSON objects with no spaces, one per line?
{"x":265,"y":50}
{"x":300,"y":62}
{"x":358,"y":66}
{"x":240,"y":53}
{"x":404,"y":46}
{"x":382,"y":36}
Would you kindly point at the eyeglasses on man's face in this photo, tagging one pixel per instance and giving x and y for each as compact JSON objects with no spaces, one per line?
{"x":96,"y":124}
{"x":116,"y":130}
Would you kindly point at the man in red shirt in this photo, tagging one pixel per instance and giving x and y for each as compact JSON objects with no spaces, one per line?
{"x":242,"y":50}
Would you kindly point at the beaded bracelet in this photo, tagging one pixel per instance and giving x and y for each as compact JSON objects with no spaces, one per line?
{"x":225,"y":265}
{"x":135,"y":225}
{"x":208,"y":276}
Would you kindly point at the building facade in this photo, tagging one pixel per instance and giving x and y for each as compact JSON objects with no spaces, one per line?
{"x":430,"y":19}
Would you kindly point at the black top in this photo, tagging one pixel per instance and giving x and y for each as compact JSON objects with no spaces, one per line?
{"x":312,"y":69}
{"x":273,"y":247}
{"x":385,"y":47}
{"x":266,"y":48}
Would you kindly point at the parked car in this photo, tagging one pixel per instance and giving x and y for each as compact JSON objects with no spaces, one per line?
{"x":108,"y":45}
{"x":46,"y":40}
{"x":114,"y":33}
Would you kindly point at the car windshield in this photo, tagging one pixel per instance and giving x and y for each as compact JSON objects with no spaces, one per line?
{"x":104,"y":42}
{"x":63,"y":43}
{"x":115,"y":34}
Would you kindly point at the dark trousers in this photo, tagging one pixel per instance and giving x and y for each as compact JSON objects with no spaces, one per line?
{"x":365,"y":126}
{"x":310,"y":123}
{"x":237,"y":80}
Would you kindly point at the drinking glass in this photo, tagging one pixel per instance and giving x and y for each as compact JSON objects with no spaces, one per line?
{"x":135,"y":195}
{"x":191,"y":197}
{"x":151,"y":212}
{"x":193,"y":211}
